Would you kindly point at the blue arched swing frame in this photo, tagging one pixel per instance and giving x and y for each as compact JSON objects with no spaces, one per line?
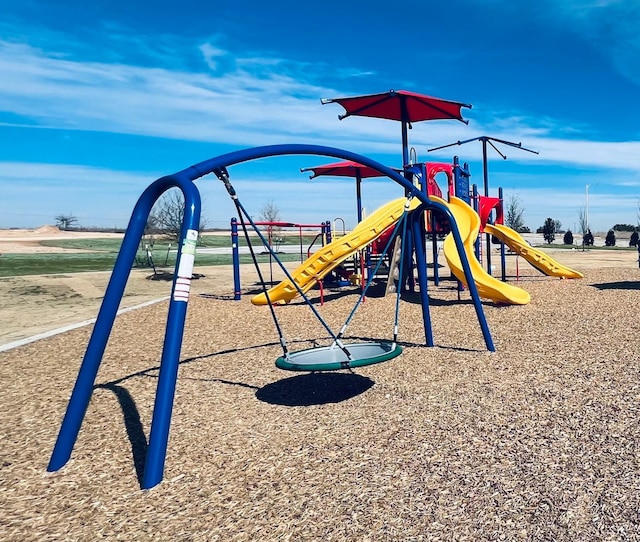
{"x":183,"y":180}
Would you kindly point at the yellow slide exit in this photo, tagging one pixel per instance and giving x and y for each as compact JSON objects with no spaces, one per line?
{"x":541,"y":261}
{"x":488,"y":287}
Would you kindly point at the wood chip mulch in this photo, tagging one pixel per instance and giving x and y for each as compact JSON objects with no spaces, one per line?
{"x":537,"y":441}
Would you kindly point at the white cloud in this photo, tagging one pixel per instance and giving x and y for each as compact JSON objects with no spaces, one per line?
{"x":243,"y":108}
{"x":613,"y":25}
{"x":247,"y":101}
{"x":211,"y":55}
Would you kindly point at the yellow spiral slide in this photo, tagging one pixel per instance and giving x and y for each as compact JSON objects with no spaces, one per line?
{"x":488,"y":287}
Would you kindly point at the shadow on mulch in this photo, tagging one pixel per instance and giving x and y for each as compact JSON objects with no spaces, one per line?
{"x":622,"y":285}
{"x":168,"y":275}
{"x":314,"y":389}
{"x":133,"y":425}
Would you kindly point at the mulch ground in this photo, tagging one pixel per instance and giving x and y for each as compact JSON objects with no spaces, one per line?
{"x":537,"y":441}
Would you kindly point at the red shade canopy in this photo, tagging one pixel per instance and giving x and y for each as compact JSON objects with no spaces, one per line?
{"x":400,"y":105}
{"x":344,"y":169}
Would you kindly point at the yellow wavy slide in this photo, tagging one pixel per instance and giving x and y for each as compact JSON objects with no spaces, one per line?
{"x":307,"y":274}
{"x":541,"y":261}
{"x":488,"y":287}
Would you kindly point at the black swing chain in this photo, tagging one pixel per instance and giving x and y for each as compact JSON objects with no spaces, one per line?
{"x":223,"y":175}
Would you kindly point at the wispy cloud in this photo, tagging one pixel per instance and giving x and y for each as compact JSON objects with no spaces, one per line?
{"x":612,"y":24}
{"x":239,"y":106}
{"x":34,"y":193}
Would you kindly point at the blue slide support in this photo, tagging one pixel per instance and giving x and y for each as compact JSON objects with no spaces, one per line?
{"x":476,"y":244}
{"x":503,"y":253}
{"x":163,"y":406}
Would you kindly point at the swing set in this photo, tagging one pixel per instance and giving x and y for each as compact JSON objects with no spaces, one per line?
{"x":338,"y":355}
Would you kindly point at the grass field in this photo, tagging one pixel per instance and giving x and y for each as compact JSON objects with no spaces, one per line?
{"x":103,"y":253}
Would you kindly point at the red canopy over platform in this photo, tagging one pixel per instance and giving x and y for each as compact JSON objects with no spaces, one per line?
{"x":345,"y":169}
{"x":401,"y":105}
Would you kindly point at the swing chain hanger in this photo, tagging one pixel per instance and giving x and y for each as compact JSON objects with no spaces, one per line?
{"x":223,"y":175}
{"x":490,"y":140}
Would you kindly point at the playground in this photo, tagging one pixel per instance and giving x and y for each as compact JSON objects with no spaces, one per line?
{"x":506,"y":409}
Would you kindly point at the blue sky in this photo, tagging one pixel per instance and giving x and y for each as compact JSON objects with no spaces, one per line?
{"x":98,"y":99}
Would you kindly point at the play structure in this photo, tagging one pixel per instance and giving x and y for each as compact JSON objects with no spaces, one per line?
{"x":334,"y":253}
{"x":419,"y":210}
{"x":472,"y":222}
{"x":273,"y":229}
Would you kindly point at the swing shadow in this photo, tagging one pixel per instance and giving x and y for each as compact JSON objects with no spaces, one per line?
{"x":619,"y":285}
{"x":311,"y":389}
{"x":132,"y":424}
{"x":412,"y":344}
{"x":300,"y":390}
{"x":315,"y":388}
{"x":131,"y":415}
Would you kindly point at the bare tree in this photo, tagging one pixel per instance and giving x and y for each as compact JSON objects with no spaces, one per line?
{"x":514,"y":213}
{"x":168,"y":213}
{"x":582,"y":223}
{"x":582,"y":220}
{"x":64,"y":222}
{"x":270,"y":212}
{"x":558,"y":225}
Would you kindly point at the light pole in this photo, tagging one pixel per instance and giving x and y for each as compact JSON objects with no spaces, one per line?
{"x":586,"y":188}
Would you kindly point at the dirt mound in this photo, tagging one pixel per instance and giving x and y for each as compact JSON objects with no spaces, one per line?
{"x":47,"y":229}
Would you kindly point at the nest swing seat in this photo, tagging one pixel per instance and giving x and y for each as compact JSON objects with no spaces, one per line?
{"x":333,"y":358}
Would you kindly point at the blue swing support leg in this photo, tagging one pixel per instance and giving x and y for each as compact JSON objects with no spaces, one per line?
{"x":421,"y":264}
{"x":83,"y":389}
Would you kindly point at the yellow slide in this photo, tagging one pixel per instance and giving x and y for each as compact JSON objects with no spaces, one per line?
{"x":334,"y":253}
{"x":488,"y":287}
{"x":535,"y":257}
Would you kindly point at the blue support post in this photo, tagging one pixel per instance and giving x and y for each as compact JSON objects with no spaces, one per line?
{"x":407,"y":274}
{"x":461,"y":179}
{"x":421,"y":263}
{"x":235,"y":254}
{"x":328,"y":231}
{"x":434,"y":250}
{"x":476,"y":243}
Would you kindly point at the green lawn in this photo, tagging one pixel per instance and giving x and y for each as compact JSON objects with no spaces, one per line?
{"x":107,"y":251}
{"x":160,"y":245}
{"x":579,"y":247}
